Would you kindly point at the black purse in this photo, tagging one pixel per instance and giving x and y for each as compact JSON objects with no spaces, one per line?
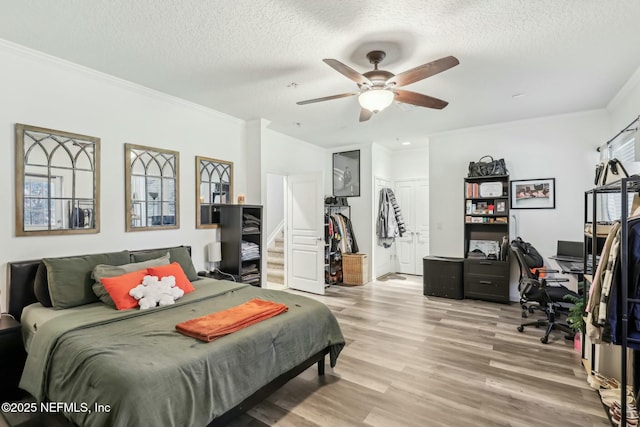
{"x":487,"y":168}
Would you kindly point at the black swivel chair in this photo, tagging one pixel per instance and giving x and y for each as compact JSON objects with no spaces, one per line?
{"x":547,"y":293}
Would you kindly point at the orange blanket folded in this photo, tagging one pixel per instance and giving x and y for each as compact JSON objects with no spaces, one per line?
{"x":213,"y":326}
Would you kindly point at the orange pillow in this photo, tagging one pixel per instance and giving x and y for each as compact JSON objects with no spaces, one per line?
{"x":174,"y":270}
{"x":119,"y":287}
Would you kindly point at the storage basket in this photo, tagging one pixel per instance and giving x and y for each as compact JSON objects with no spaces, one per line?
{"x":354,"y":269}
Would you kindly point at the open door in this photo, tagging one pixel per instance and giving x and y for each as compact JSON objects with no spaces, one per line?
{"x":305,"y":233}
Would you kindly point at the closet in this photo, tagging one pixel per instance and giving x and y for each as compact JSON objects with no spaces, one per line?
{"x":338,"y":239}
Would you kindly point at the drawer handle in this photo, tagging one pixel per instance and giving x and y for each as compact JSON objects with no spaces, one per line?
{"x":485,"y":263}
{"x":485,"y":282}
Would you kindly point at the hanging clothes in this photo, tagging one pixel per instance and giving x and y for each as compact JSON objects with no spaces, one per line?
{"x":594,"y":329}
{"x":351,"y":237}
{"x":339,"y":234}
{"x":390,"y":221}
{"x":612,"y":327}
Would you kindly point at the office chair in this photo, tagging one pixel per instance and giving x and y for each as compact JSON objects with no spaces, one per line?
{"x":547,"y":297}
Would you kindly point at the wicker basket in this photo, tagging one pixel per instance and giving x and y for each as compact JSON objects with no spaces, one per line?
{"x":354,"y":269}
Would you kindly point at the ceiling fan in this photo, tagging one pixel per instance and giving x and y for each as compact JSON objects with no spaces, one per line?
{"x":378,"y":87}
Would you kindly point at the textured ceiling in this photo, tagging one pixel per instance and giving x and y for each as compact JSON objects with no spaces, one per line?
{"x":241,"y":57}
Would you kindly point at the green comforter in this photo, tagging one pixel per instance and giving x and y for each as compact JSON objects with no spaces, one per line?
{"x":150,"y":375}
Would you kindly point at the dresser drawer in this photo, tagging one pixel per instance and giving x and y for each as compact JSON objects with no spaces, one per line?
{"x":486,"y":288}
{"x":485,"y":267}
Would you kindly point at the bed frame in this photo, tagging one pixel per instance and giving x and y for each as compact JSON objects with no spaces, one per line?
{"x":21,"y":281}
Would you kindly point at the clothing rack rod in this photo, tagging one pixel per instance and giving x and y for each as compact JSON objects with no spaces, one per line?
{"x":626,"y":129}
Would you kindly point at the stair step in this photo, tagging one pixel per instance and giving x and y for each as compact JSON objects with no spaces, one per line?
{"x":275,"y":276}
{"x":276,"y":250}
{"x":277,"y":263}
{"x":277,"y":258}
{"x":278,"y":243}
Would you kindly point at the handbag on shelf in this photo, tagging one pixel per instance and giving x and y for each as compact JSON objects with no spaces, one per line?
{"x":490,"y":167}
{"x":609,"y":172}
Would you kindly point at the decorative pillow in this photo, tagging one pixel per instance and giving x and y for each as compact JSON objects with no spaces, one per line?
{"x":118,"y":288}
{"x":69,"y":278}
{"x":173,"y":269}
{"x":41,"y":286}
{"x":101,"y":271}
{"x":178,"y":254}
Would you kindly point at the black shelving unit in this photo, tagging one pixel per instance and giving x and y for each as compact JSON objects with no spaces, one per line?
{"x":234,"y":230}
{"x":486,"y":222}
{"x":332,"y":259}
{"x":624,"y":187}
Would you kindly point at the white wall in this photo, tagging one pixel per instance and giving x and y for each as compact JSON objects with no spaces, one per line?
{"x":48,"y":92}
{"x":625,"y":106}
{"x":560,"y":147}
{"x":382,"y":259}
{"x":274,"y":208}
{"x":411,"y":163}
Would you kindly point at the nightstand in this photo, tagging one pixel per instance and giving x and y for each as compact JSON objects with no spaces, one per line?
{"x":12,"y":358}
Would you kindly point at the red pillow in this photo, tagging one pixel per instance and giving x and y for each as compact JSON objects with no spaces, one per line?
{"x":119,"y":287}
{"x":174,"y":270}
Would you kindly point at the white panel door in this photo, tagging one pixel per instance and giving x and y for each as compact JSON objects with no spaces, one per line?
{"x":406,"y":245}
{"x":413,"y":198}
{"x":305,"y":233}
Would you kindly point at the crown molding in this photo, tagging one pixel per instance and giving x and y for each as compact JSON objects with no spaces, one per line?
{"x":35,"y":55}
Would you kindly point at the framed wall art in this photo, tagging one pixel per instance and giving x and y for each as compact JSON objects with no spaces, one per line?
{"x":346,"y":173}
{"x":533,"y":193}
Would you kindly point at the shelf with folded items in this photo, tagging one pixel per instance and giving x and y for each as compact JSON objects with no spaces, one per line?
{"x":241,"y":241}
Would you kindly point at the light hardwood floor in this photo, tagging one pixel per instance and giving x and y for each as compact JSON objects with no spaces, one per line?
{"x":412,"y":360}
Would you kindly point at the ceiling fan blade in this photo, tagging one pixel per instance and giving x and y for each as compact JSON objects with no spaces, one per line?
{"x":348,"y":71}
{"x":423,"y":71}
{"x":327,"y":98}
{"x":419,"y":99}
{"x":365,"y":114}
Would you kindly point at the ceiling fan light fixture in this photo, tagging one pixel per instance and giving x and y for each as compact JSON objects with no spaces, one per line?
{"x":376,"y":100}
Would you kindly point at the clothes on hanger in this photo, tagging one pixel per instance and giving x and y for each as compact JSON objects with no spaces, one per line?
{"x":339,"y":234}
{"x":390,"y":221}
{"x":593,"y":327}
{"x":604,"y":321}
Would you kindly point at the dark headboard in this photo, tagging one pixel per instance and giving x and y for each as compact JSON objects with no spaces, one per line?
{"x":22,"y":275}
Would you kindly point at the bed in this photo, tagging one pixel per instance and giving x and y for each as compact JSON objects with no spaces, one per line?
{"x":142,"y":372}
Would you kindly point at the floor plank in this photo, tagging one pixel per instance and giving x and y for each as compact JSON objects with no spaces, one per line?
{"x":412,"y":360}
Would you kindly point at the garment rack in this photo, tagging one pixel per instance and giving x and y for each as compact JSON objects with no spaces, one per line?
{"x":623,"y":187}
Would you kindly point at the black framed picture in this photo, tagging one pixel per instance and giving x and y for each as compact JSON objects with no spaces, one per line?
{"x":533,"y":193}
{"x":346,"y":173}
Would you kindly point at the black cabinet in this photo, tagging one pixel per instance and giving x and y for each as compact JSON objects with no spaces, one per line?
{"x":12,"y":358}
{"x":241,"y":242}
{"x":442,"y":277}
{"x":486,"y":238}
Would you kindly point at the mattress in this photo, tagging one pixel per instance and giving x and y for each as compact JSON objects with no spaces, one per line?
{"x":34,"y":316}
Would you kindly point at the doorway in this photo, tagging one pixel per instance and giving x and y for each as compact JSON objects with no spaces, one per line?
{"x":413,"y":199}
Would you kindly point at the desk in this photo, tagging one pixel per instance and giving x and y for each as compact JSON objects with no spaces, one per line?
{"x":570,"y":267}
